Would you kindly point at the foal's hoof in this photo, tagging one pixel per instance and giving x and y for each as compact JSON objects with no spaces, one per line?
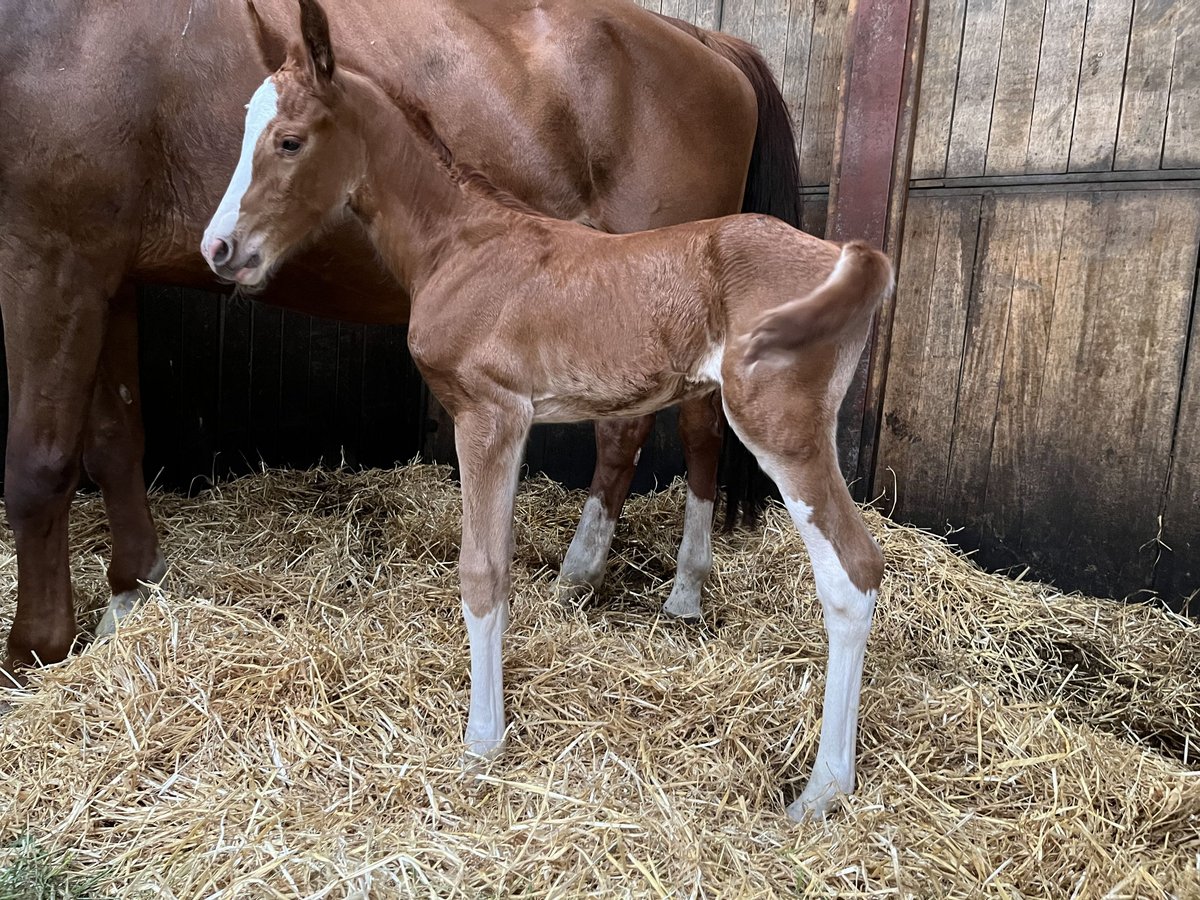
{"x":819,"y":798}
{"x":480,"y":755}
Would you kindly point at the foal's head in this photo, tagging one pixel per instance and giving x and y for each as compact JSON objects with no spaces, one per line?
{"x":301,"y":156}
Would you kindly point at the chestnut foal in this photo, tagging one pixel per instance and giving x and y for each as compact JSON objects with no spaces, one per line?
{"x":518,"y":318}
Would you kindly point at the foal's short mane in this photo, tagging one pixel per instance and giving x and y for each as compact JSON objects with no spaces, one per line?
{"x":418,"y":119}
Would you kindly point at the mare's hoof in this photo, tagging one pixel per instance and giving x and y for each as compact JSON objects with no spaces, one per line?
{"x":122,"y":604}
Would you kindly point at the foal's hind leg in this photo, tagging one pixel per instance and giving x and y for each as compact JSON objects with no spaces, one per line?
{"x":700,"y":429}
{"x":113,"y":458}
{"x":489,"y":441}
{"x":618,"y":446}
{"x":796,"y":448}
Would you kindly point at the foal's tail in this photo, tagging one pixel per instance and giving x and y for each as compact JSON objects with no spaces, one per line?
{"x":842,"y":303}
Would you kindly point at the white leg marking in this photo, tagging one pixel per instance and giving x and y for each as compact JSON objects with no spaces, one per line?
{"x":587,"y":556}
{"x":847,"y":613}
{"x":261,"y":109}
{"x":695,"y":559}
{"x":122,"y":604}
{"x":485,"y":723}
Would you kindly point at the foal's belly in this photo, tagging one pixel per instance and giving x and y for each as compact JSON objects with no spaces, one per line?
{"x":582,"y":396}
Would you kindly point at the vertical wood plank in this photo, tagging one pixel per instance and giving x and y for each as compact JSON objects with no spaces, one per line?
{"x":160,"y":336}
{"x":819,"y":114}
{"x":797,"y":64}
{"x":1147,"y":85}
{"x":978,"y":384}
{"x":1098,"y":103}
{"x":1181,"y":144}
{"x":933,"y":285}
{"x":200,"y":383}
{"x":1035,"y":231}
{"x":233,"y":411}
{"x":1016,"y":79}
{"x":321,"y":410}
{"x":295,"y":413}
{"x":266,"y":323}
{"x":1057,"y":87}
{"x":935,"y":109}
{"x":1177,"y":574}
{"x":967,"y":154}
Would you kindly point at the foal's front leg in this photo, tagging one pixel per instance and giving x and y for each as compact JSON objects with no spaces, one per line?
{"x":490,"y":441}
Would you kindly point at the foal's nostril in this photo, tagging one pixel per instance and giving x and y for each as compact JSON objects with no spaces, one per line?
{"x":220,"y":251}
{"x":253,"y":262}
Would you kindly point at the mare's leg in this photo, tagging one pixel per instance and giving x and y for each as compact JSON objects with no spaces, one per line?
{"x":618,"y":446}
{"x":700,"y":428}
{"x":113,"y":457}
{"x":54,"y":322}
{"x":489,"y":440}
{"x":796,"y":448}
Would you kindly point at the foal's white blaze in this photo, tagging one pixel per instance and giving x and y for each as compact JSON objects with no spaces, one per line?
{"x":485,"y":722}
{"x":695,"y":559}
{"x":261,"y":109}
{"x":847,"y":613}
{"x":587,"y":556}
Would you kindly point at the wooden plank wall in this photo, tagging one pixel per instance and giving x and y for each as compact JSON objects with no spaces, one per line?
{"x":1042,"y":394}
{"x":229,"y":385}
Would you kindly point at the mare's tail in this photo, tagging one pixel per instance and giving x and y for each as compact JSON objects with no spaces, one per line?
{"x":773,"y":188}
{"x":843,"y":302}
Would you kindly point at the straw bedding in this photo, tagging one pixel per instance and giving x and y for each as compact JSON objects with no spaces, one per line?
{"x":285,"y":718}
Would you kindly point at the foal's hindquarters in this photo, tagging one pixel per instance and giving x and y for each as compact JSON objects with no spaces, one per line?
{"x":590,"y":326}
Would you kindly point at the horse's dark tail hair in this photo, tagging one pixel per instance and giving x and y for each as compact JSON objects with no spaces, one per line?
{"x":773,"y":188}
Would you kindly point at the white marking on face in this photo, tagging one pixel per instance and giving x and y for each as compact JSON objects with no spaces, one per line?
{"x":485,"y":722}
{"x":261,"y":109}
{"x":847,"y":612}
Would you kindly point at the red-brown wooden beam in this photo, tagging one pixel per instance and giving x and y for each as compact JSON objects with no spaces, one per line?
{"x":868,"y":187}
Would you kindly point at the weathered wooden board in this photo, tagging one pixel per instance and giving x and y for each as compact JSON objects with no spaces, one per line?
{"x":1177,"y":574}
{"x":1016,"y":78}
{"x":1036,"y":408}
{"x":935,"y":108}
{"x":1148,"y":71}
{"x":1057,"y":86}
{"x":933,"y":286}
{"x":976,"y":88}
{"x":1101,"y":74}
{"x":1181,"y":144}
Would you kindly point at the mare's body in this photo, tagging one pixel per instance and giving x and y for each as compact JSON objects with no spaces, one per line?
{"x":518,"y":318}
{"x":121,"y":124}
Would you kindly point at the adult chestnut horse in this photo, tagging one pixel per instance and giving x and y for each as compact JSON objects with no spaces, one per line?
{"x":519,"y":318}
{"x":118,"y":129}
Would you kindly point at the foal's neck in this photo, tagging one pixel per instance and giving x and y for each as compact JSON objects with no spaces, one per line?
{"x":410,"y":202}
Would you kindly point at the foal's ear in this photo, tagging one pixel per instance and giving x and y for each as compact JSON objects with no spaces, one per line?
{"x":271,"y":45}
{"x":314,"y":28}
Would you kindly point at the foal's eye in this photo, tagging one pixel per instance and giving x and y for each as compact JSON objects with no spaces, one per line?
{"x":290,"y":146}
